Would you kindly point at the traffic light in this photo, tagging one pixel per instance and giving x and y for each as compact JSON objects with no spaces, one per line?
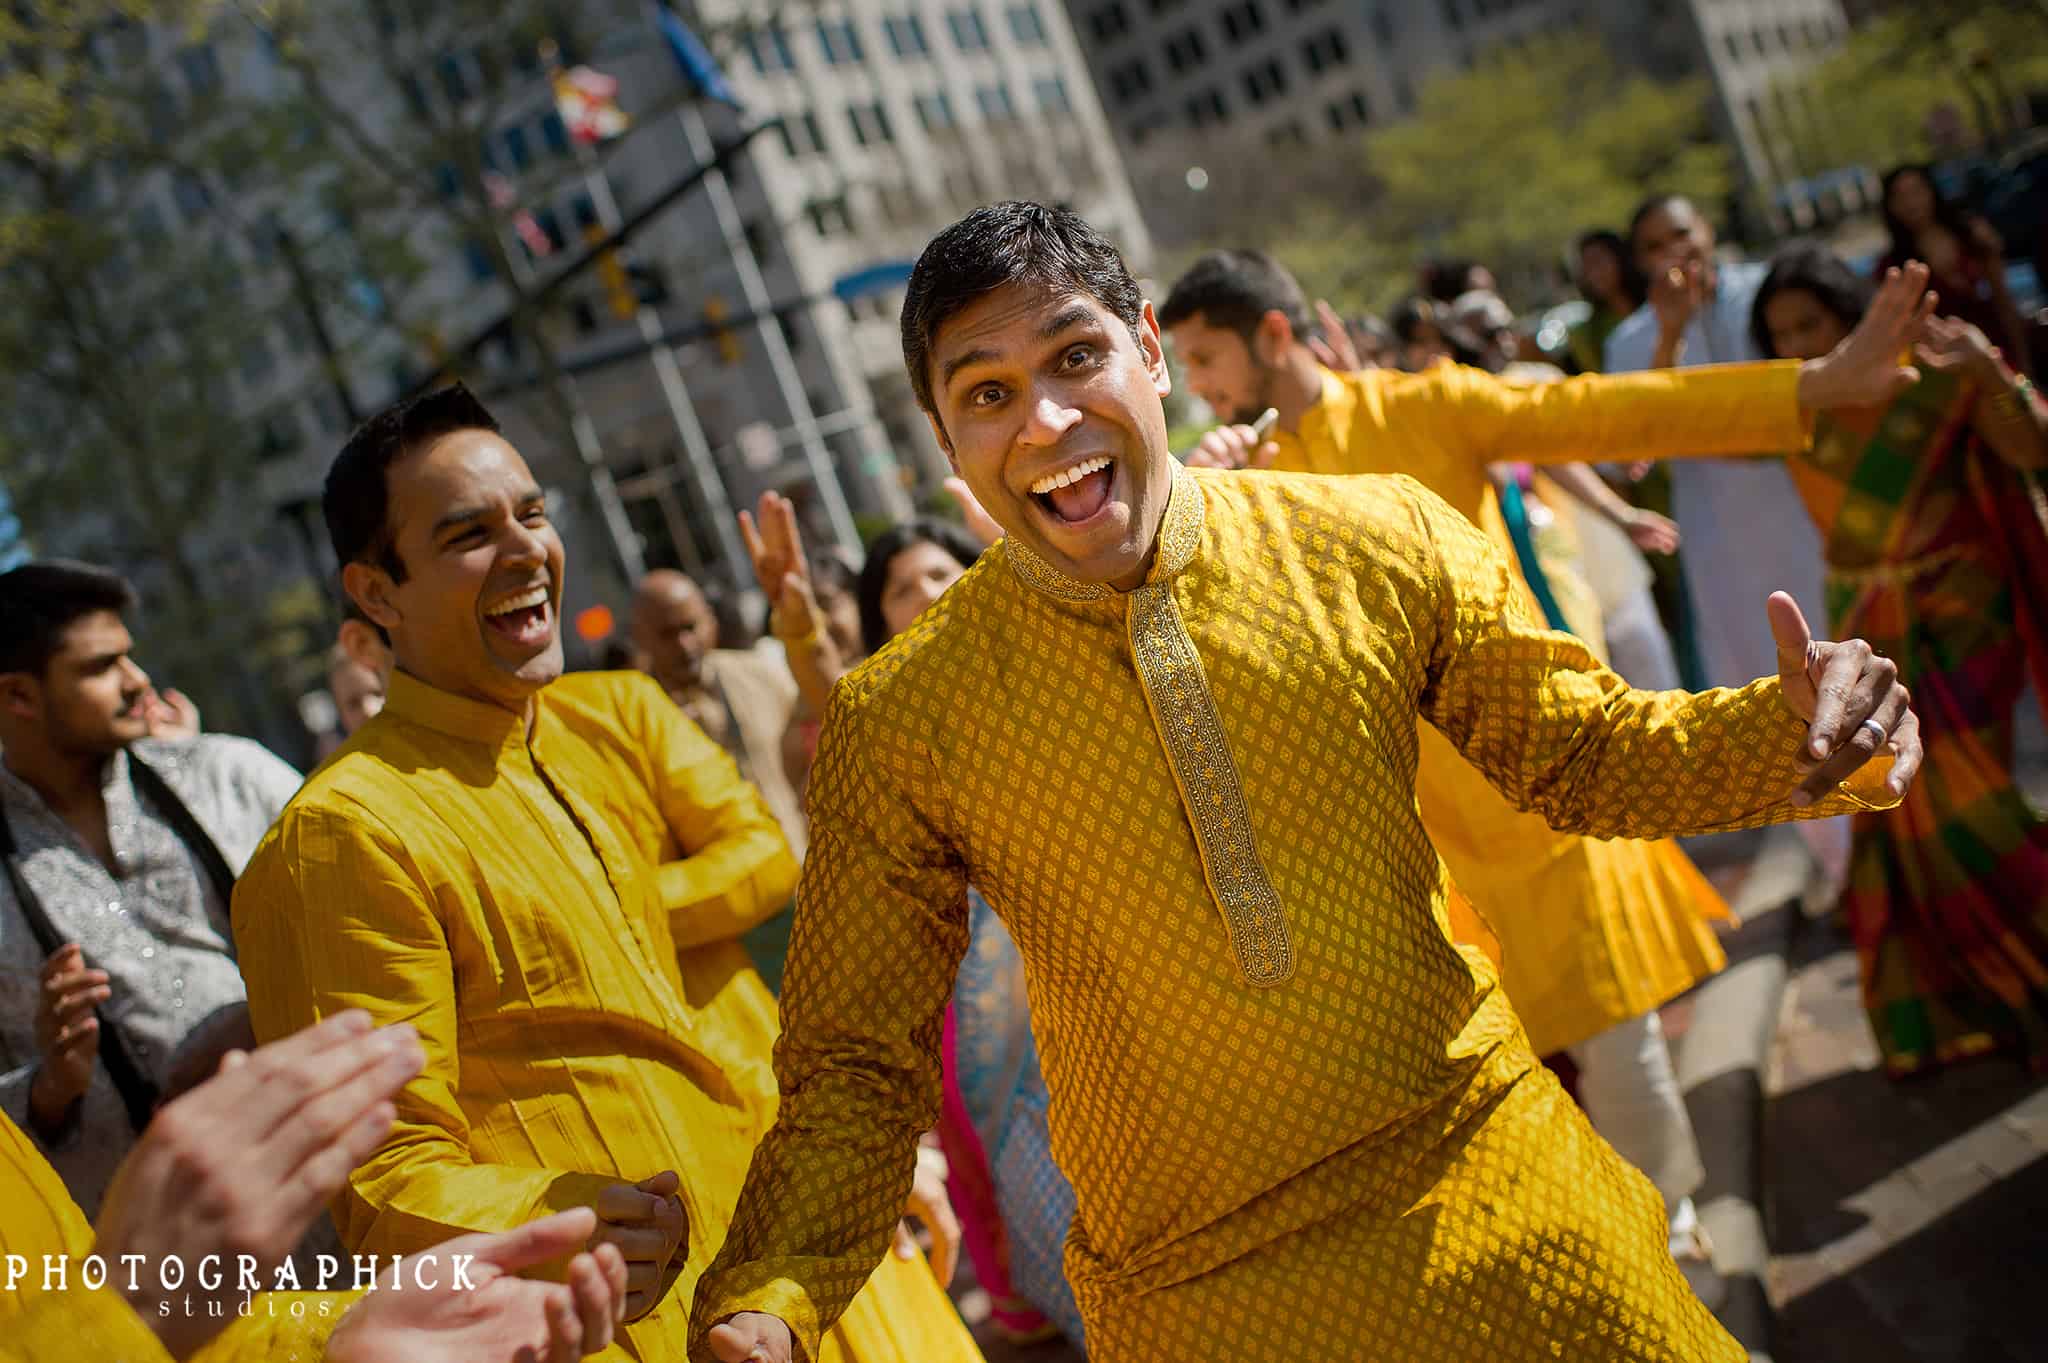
{"x":723,"y":336}
{"x":618,"y":289}
{"x":613,"y":274}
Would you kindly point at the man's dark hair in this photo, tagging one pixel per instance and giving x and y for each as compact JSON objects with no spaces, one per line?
{"x":1810,"y":267}
{"x":1649,"y":206}
{"x":1236,"y":289}
{"x":355,"y":499}
{"x":1014,"y":242}
{"x":41,"y":600}
{"x":874,"y":573}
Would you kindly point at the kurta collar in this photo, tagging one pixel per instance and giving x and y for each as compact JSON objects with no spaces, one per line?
{"x":474,"y":721}
{"x":1180,"y":535}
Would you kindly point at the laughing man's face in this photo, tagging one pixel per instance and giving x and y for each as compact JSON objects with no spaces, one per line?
{"x":1049,"y":408}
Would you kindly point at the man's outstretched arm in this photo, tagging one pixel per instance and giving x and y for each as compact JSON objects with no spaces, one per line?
{"x":1558,"y":733}
{"x":880,"y":929}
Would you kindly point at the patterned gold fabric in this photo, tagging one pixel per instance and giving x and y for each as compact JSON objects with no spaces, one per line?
{"x":1591,"y":933}
{"x":1367,"y":1144}
{"x":525,"y":901}
{"x":74,"y":1323}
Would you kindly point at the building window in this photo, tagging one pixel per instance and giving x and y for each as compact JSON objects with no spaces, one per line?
{"x":1264,"y":81}
{"x":1185,"y":50}
{"x":1206,"y":108}
{"x":935,"y":111}
{"x":1288,"y":134}
{"x":768,"y":49}
{"x":554,"y":133}
{"x":994,"y":103}
{"x":906,"y":35}
{"x":1454,"y":14}
{"x":1026,"y":27}
{"x":454,"y":79}
{"x":1130,"y":81}
{"x":830,"y":217}
{"x":1109,"y":22}
{"x":517,"y":149}
{"x":1354,"y":112}
{"x":1324,"y":51}
{"x":194,"y":199}
{"x":1297,"y":6}
{"x":1383,"y":27}
{"x":870,"y":124}
{"x":1243,"y":22}
{"x":969,"y":33}
{"x":1164,"y":6}
{"x":257,"y":360}
{"x":801,"y":135}
{"x":201,"y":68}
{"x":1051,"y":93}
{"x":840,"y":42}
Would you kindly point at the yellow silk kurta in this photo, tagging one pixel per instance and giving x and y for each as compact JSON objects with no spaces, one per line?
{"x":555,"y":914}
{"x":1292,"y":1110}
{"x":64,"y":1326}
{"x":1591,"y":933}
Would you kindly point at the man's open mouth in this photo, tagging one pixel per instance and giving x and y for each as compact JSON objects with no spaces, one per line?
{"x":1078,"y":492}
{"x":524,"y":619}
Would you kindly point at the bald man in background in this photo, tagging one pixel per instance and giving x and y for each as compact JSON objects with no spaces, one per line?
{"x":743,"y":700}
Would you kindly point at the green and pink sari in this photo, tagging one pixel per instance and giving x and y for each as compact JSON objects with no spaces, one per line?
{"x":1937,"y":555}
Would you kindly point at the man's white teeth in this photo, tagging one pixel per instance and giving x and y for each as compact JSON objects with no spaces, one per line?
{"x":1072,"y":475}
{"x":526,"y":600}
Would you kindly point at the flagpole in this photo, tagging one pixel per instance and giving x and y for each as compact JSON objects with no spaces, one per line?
{"x":669,"y":375}
{"x":768,"y":324}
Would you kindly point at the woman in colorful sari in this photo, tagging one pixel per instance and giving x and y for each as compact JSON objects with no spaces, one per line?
{"x":1014,"y":1204}
{"x":1936,"y":553}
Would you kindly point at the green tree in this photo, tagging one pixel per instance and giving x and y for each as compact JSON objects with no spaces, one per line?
{"x":1875,"y":102}
{"x":1506,"y":162}
{"x":139,"y":364}
{"x":1503,"y":163}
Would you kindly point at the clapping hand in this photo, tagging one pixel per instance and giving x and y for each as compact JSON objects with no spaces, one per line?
{"x":491,"y":1315}
{"x":242,"y":1164}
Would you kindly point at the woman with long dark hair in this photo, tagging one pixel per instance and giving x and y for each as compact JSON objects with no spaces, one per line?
{"x":1961,"y":249}
{"x":1937,"y":554}
{"x":1609,"y":280}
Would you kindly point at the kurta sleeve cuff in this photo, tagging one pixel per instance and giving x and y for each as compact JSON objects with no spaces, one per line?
{"x":754,"y":1287}
{"x":1783,"y":737}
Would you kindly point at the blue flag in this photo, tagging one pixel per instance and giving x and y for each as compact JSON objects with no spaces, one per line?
{"x":699,"y":68}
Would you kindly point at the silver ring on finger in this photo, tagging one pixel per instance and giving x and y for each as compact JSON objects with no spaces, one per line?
{"x":1877,"y":731}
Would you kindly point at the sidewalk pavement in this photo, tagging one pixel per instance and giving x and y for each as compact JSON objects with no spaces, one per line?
{"x":1908,"y":1221}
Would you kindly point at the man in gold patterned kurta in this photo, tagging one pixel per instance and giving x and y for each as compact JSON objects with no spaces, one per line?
{"x":1594,"y":934}
{"x":1167,"y":727}
{"x":546,"y":875}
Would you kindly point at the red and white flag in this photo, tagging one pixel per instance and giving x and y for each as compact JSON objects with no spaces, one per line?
{"x":588,"y":103}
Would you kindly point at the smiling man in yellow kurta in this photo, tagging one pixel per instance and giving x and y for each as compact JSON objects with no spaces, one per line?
{"x":1594,"y":934}
{"x":1168,"y":728}
{"x":546,"y":876}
